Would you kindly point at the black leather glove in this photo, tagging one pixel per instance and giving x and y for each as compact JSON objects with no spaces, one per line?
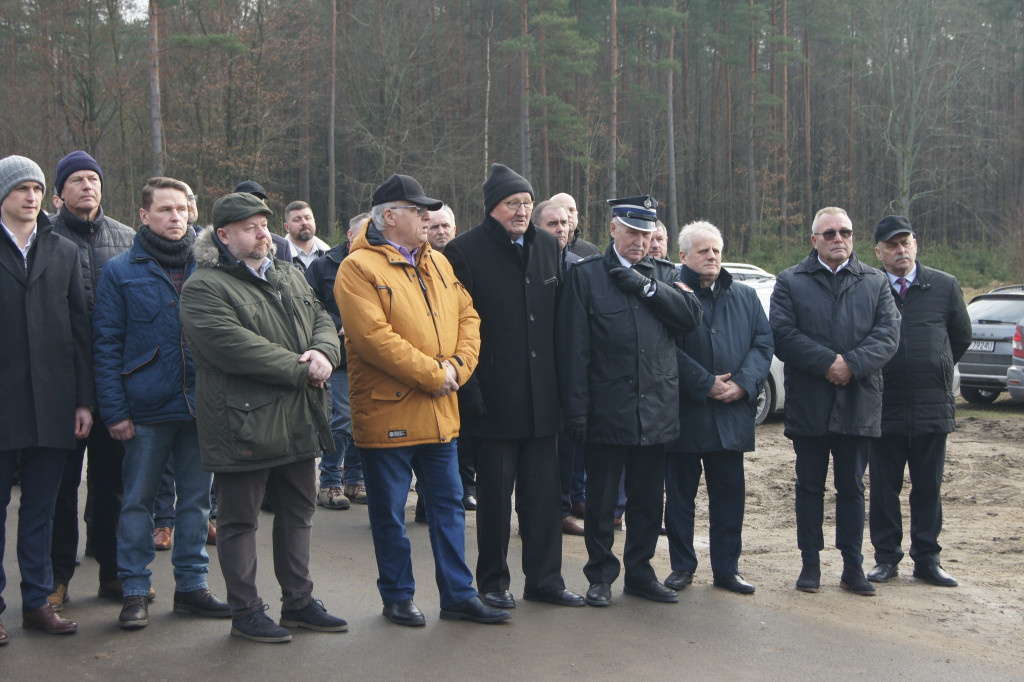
{"x":576,"y":430}
{"x":631,"y":281}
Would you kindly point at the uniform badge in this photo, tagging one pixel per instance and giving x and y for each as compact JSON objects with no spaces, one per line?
{"x":682,"y":285}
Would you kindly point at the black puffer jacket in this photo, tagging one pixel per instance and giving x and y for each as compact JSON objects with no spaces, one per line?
{"x":934,"y":333}
{"x":816,"y":315}
{"x":98,"y":241}
{"x":321,"y":275}
{"x":617,"y":352}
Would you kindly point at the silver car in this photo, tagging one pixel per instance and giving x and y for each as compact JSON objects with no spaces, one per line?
{"x":983,"y":368}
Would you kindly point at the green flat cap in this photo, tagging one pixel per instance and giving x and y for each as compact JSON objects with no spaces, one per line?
{"x":237,"y":206}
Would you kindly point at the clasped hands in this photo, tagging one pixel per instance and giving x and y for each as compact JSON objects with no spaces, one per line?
{"x":319,"y":368}
{"x":839,"y":373}
{"x":451,"y":380}
{"x":726,"y":391}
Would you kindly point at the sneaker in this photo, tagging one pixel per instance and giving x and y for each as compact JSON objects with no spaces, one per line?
{"x":333,"y":498}
{"x":202,"y":602}
{"x":258,"y":627}
{"x":313,"y":616}
{"x":58,"y":598}
{"x":356,"y":492}
{"x":134,"y":613}
{"x":162,"y":538}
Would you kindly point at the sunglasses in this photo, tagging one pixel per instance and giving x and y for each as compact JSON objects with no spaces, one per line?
{"x":829,"y":235}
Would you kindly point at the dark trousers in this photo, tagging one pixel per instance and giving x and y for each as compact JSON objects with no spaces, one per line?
{"x":571,"y":473}
{"x":926,"y":457}
{"x":40,"y":477}
{"x":723,"y":475}
{"x":849,"y":460}
{"x":530,"y":465}
{"x":645,"y":480}
{"x":292,"y":491}
{"x":105,"y":493}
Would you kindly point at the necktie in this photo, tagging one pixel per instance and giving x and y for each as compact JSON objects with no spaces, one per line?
{"x":902,"y":281}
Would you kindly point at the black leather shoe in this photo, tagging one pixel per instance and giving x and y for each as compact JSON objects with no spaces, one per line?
{"x":404,"y":613}
{"x":810,"y":578}
{"x":469,"y":502}
{"x":201,"y":602}
{"x":734,"y":583}
{"x":654,"y":591}
{"x":883,"y":572}
{"x":500,"y":600}
{"x":853,"y":580}
{"x":134,"y":613}
{"x":599,"y":594}
{"x":475,"y":610}
{"x":557,"y":597}
{"x":678,"y":580}
{"x":933,"y":573}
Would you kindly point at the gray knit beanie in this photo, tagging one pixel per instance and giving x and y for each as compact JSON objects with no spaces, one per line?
{"x":503,"y":182}
{"x":15,"y":170}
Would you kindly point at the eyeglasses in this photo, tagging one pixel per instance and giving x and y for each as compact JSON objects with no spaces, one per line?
{"x":193,"y":197}
{"x":829,"y":235}
{"x":420,"y":210}
{"x":516,"y":205}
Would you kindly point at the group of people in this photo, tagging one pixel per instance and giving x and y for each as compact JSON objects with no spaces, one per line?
{"x":514,"y":358}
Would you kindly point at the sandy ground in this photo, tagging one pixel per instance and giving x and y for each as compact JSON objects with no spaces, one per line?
{"x":983,"y":501}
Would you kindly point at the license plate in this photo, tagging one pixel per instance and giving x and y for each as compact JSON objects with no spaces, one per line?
{"x":982,"y":345}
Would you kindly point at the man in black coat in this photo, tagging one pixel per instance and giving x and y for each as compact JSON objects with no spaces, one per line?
{"x":79,"y":184}
{"x":46,"y":374}
{"x":835,"y":327}
{"x":722,"y":366}
{"x":917,"y":406}
{"x":510,"y":405}
{"x":618,"y":318}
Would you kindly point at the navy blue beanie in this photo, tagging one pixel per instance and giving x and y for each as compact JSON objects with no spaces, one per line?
{"x":72,"y":163}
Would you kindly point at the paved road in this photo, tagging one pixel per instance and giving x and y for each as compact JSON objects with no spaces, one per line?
{"x":710,"y":634}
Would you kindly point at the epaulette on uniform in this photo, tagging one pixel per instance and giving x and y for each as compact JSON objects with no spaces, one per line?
{"x":663,"y":261}
{"x":596,"y":256}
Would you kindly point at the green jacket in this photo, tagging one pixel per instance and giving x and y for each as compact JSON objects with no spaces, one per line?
{"x":254,"y":407}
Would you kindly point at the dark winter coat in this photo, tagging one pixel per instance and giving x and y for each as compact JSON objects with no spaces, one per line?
{"x":143,"y":366}
{"x":734,"y":338}
{"x":97,"y":240}
{"x":815,"y":316}
{"x":617,"y":354}
{"x":45,"y":362}
{"x":514,"y":392}
{"x":934,"y":333}
{"x":255,"y":408}
{"x":321,"y":275}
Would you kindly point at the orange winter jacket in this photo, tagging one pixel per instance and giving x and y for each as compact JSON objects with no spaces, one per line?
{"x":401,"y":323}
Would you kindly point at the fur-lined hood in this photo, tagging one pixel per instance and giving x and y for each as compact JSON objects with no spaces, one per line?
{"x":210,"y":252}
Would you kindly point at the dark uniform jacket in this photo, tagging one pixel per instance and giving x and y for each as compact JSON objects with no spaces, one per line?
{"x":514,"y":392}
{"x":733,"y":337}
{"x":254,"y":406}
{"x":46,"y":356}
{"x":816,"y":315}
{"x":617,"y":353}
{"x":935,"y":331}
{"x":98,"y":241}
{"x":321,"y":275}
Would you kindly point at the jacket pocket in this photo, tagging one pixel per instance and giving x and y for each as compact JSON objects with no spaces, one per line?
{"x":259,"y":424}
{"x":389,"y":389}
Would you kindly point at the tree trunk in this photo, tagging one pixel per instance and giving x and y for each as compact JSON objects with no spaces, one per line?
{"x":751,"y":102}
{"x":304,"y":108}
{"x":808,"y":160}
{"x":332,"y":174}
{"x":613,"y":118}
{"x":155,"y":124}
{"x":784,"y":125}
{"x":673,"y":203}
{"x":524,"y":105}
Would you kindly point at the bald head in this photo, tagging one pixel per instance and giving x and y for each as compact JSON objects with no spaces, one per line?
{"x":569,"y":204}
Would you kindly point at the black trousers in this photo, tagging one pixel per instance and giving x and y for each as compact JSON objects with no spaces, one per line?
{"x":926,"y":457}
{"x":106,"y":492}
{"x":723,"y":475}
{"x":645,"y":480}
{"x":849,"y":460}
{"x":530,"y":465}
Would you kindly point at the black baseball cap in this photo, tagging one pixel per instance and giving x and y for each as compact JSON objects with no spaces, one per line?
{"x":404,"y":188}
{"x":890,"y":226}
{"x":252,"y":187}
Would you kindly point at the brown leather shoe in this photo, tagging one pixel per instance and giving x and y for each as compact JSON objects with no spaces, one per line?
{"x":58,"y":598}
{"x":211,"y":534}
{"x":618,"y":524}
{"x":162,"y":538}
{"x":46,"y":620}
{"x":3,"y":634}
{"x":570,"y":527}
{"x":578,"y":509}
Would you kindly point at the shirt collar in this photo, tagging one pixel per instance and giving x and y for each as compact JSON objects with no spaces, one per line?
{"x":408,"y":255}
{"x":28,"y":244}
{"x":625,"y":263}
{"x":910,"y":276}
{"x":262,"y":272}
{"x":841,"y":266}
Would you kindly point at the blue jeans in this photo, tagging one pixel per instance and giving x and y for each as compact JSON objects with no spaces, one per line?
{"x":388,"y":475}
{"x":163,"y":507}
{"x":41,"y":469}
{"x":341,"y":427}
{"x":146,"y":458}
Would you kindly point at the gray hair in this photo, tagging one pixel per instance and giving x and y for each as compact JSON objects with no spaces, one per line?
{"x":691,"y":230}
{"x":377,"y":212}
{"x":451,"y":214}
{"x":833,"y":210}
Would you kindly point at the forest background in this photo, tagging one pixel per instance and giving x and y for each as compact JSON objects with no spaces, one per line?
{"x":749,"y":113}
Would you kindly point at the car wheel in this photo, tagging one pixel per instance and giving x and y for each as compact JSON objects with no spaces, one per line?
{"x":982,"y":396}
{"x":765,"y":402}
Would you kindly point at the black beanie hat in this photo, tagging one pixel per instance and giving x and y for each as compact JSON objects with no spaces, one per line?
{"x":72,"y":163}
{"x":503,"y":182}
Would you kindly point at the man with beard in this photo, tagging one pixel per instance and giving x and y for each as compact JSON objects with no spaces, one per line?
{"x":300,"y":225}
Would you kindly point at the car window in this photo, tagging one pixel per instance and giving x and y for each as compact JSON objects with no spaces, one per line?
{"x":996,"y":310}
